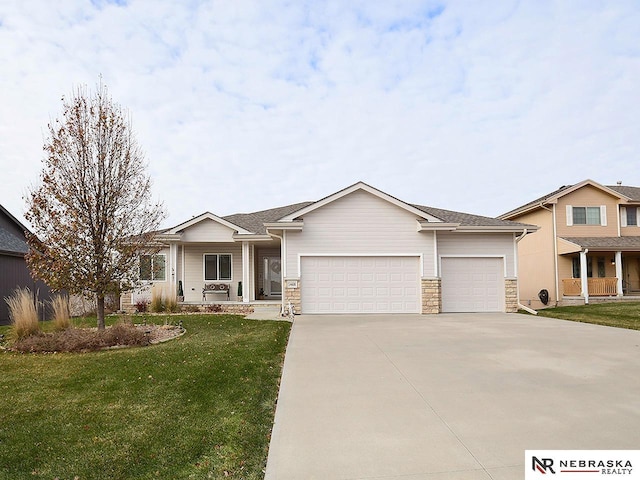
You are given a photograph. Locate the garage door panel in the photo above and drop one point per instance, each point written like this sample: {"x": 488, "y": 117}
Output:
{"x": 472, "y": 284}
{"x": 360, "y": 284}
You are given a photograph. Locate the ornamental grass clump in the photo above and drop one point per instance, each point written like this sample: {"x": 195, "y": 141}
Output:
{"x": 157, "y": 303}
{"x": 60, "y": 307}
{"x": 83, "y": 339}
{"x": 171, "y": 305}
{"x": 23, "y": 313}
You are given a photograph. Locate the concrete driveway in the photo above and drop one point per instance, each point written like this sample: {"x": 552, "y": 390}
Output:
{"x": 449, "y": 396}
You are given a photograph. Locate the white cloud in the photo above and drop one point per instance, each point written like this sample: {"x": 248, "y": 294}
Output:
{"x": 248, "y": 105}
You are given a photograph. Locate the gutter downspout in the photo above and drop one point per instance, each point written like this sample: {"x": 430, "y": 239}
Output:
{"x": 523, "y": 307}
{"x": 283, "y": 270}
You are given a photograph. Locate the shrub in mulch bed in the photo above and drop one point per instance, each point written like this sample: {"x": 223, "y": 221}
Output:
{"x": 82, "y": 340}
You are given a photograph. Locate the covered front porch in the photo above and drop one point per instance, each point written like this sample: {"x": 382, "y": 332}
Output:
{"x": 599, "y": 268}
{"x": 209, "y": 263}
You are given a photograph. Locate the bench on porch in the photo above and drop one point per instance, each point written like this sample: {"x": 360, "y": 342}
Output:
{"x": 215, "y": 288}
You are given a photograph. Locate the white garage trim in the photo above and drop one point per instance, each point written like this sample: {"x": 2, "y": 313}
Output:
{"x": 347, "y": 283}
{"x": 418, "y": 255}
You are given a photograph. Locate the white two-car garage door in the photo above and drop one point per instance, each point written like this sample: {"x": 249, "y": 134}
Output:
{"x": 472, "y": 284}
{"x": 360, "y": 284}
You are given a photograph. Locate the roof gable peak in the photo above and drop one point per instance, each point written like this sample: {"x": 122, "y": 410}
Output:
{"x": 359, "y": 186}
{"x": 206, "y": 216}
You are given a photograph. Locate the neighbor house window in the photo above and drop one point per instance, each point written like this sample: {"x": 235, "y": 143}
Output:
{"x": 586, "y": 216}
{"x": 632, "y": 216}
{"x": 153, "y": 267}
{"x": 217, "y": 266}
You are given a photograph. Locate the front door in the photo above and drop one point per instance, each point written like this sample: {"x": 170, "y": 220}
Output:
{"x": 272, "y": 277}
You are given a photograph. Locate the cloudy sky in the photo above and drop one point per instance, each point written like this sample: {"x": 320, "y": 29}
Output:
{"x": 246, "y": 105}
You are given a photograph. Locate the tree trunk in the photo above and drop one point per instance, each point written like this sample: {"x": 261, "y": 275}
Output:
{"x": 100, "y": 303}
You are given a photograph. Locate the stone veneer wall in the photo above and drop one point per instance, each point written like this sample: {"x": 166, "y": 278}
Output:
{"x": 126, "y": 304}
{"x": 292, "y": 294}
{"x": 431, "y": 295}
{"x": 511, "y": 295}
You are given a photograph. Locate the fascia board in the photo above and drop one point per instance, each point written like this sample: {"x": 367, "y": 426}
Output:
{"x": 282, "y": 225}
{"x": 251, "y": 237}
{"x": 168, "y": 237}
{"x": 498, "y": 229}
{"x": 436, "y": 226}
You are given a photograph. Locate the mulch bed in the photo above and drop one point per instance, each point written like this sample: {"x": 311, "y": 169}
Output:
{"x": 90, "y": 339}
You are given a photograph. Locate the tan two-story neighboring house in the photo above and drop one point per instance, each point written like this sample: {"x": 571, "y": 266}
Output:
{"x": 588, "y": 244}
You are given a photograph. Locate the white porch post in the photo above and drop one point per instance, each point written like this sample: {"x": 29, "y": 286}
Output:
{"x": 619, "y": 273}
{"x": 583, "y": 276}
{"x": 245, "y": 272}
{"x": 173, "y": 270}
{"x": 252, "y": 274}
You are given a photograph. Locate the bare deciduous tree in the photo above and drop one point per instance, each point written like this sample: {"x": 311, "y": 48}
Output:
{"x": 92, "y": 212}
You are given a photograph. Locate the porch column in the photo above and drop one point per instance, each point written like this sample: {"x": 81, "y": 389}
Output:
{"x": 173, "y": 270}
{"x": 619, "y": 273}
{"x": 583, "y": 276}
{"x": 245, "y": 272}
{"x": 252, "y": 274}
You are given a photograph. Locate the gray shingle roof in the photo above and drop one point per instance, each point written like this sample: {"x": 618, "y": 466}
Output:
{"x": 600, "y": 243}
{"x": 536, "y": 201}
{"x": 467, "y": 219}
{"x": 254, "y": 222}
{"x": 632, "y": 192}
{"x": 9, "y": 243}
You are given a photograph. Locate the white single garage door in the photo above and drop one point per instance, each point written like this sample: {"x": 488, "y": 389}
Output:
{"x": 472, "y": 284}
{"x": 360, "y": 284}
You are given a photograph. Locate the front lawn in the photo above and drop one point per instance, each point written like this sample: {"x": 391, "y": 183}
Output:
{"x": 618, "y": 314}
{"x": 200, "y": 406}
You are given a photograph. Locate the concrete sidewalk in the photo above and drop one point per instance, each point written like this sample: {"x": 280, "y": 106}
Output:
{"x": 450, "y": 396}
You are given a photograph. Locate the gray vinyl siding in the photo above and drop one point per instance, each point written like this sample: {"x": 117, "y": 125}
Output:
{"x": 479, "y": 244}
{"x": 194, "y": 269}
{"x": 359, "y": 224}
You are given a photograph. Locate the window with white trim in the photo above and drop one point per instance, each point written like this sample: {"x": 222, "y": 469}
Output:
{"x": 586, "y": 215}
{"x": 153, "y": 267}
{"x": 217, "y": 267}
{"x": 632, "y": 216}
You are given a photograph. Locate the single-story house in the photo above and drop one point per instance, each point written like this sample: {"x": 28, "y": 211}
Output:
{"x": 359, "y": 250}
{"x": 14, "y": 272}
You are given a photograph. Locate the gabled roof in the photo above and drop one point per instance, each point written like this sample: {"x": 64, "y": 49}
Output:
{"x": 550, "y": 198}
{"x": 254, "y": 222}
{"x": 206, "y": 216}
{"x": 353, "y": 188}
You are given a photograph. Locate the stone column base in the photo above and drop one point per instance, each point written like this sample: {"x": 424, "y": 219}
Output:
{"x": 511, "y": 295}
{"x": 292, "y": 293}
{"x": 431, "y": 295}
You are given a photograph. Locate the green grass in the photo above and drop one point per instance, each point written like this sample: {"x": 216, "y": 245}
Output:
{"x": 618, "y": 314}
{"x": 197, "y": 407}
